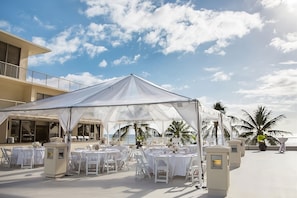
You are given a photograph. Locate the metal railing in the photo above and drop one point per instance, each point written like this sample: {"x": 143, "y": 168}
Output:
{"x": 35, "y": 77}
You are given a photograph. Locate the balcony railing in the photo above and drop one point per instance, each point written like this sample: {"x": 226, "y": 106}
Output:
{"x": 35, "y": 77}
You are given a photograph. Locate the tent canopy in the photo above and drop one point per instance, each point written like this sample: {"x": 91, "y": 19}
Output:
{"x": 128, "y": 98}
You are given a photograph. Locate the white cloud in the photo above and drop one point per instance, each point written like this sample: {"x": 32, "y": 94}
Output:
{"x": 221, "y": 76}
{"x": 211, "y": 69}
{"x": 46, "y": 26}
{"x": 126, "y": 60}
{"x": 169, "y": 27}
{"x": 271, "y": 3}
{"x": 218, "y": 75}
{"x": 8, "y": 27}
{"x": 5, "y": 25}
{"x": 174, "y": 27}
{"x": 287, "y": 44}
{"x": 217, "y": 48}
{"x": 103, "y": 63}
{"x": 289, "y": 62}
{"x": 93, "y": 50}
{"x": 280, "y": 85}
{"x": 85, "y": 78}
{"x": 168, "y": 87}
{"x": 111, "y": 33}
{"x": 291, "y": 5}
{"x": 145, "y": 74}
{"x": 66, "y": 45}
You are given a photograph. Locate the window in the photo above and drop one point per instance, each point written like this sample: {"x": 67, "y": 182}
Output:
{"x": 27, "y": 131}
{"x": 13, "y": 55}
{"x": 15, "y": 130}
{"x": 10, "y": 60}
{"x": 54, "y": 129}
{"x": 3, "y": 47}
{"x": 42, "y": 96}
{"x": 85, "y": 129}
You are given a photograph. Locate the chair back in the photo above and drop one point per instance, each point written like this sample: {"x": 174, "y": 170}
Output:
{"x": 92, "y": 163}
{"x": 110, "y": 162}
{"x": 193, "y": 170}
{"x": 27, "y": 158}
{"x": 92, "y": 158}
{"x": 75, "y": 162}
{"x": 6, "y": 156}
{"x": 161, "y": 169}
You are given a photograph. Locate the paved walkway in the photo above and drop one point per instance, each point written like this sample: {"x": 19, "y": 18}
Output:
{"x": 261, "y": 175}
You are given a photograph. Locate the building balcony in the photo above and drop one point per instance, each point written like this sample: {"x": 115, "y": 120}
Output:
{"x": 34, "y": 77}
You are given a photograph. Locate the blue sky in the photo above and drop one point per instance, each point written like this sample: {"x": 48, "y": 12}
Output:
{"x": 241, "y": 53}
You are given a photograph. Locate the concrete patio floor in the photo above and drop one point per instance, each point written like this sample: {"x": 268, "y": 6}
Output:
{"x": 261, "y": 175}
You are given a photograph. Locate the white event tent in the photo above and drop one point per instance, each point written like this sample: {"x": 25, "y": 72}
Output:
{"x": 128, "y": 98}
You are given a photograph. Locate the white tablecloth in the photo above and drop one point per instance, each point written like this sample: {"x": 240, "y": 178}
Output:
{"x": 17, "y": 157}
{"x": 178, "y": 163}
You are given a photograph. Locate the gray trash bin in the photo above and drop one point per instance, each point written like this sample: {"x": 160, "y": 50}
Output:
{"x": 217, "y": 170}
{"x": 55, "y": 159}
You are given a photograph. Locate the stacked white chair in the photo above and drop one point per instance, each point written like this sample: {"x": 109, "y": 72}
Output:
{"x": 161, "y": 169}
{"x": 6, "y": 157}
{"x": 27, "y": 158}
{"x": 142, "y": 167}
{"x": 75, "y": 162}
{"x": 92, "y": 163}
{"x": 193, "y": 170}
{"x": 123, "y": 161}
{"x": 110, "y": 163}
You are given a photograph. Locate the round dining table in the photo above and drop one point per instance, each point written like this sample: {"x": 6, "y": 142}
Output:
{"x": 178, "y": 162}
{"x": 17, "y": 156}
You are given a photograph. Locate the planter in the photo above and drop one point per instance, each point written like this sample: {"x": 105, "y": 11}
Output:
{"x": 262, "y": 146}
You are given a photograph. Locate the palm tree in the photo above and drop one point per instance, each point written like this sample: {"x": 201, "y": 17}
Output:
{"x": 142, "y": 132}
{"x": 234, "y": 120}
{"x": 180, "y": 129}
{"x": 260, "y": 123}
{"x": 218, "y": 106}
{"x": 211, "y": 128}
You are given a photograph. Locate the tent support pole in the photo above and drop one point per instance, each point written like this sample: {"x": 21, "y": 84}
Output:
{"x": 199, "y": 144}
{"x": 68, "y": 142}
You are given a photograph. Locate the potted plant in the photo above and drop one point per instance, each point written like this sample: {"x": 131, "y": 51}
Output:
{"x": 261, "y": 141}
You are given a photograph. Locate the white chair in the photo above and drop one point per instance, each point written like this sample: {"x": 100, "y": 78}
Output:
{"x": 92, "y": 163}
{"x": 110, "y": 163}
{"x": 80, "y": 138}
{"x": 143, "y": 154}
{"x": 75, "y": 162}
{"x": 39, "y": 156}
{"x": 161, "y": 169}
{"x": 27, "y": 158}
{"x": 6, "y": 157}
{"x": 193, "y": 170}
{"x": 86, "y": 138}
{"x": 123, "y": 161}
{"x": 142, "y": 167}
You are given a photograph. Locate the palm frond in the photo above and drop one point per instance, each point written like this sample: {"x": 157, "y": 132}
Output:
{"x": 272, "y": 122}
{"x": 251, "y": 121}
